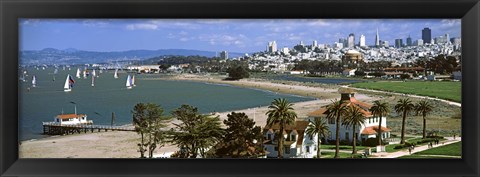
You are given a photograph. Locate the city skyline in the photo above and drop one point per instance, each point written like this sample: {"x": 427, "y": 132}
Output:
{"x": 232, "y": 35}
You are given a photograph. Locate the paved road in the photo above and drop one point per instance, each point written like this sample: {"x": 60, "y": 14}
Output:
{"x": 397, "y": 154}
{"x": 409, "y": 95}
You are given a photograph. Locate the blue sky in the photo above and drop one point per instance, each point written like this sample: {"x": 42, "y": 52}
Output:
{"x": 234, "y": 35}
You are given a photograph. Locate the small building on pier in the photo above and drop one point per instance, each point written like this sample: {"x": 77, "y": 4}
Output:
{"x": 72, "y": 119}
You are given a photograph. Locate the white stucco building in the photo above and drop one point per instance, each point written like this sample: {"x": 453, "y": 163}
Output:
{"x": 72, "y": 119}
{"x": 296, "y": 142}
{"x": 368, "y": 130}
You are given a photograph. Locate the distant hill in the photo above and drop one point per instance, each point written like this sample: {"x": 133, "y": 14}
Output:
{"x": 74, "y": 56}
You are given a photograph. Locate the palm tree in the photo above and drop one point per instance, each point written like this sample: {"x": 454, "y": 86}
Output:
{"x": 379, "y": 109}
{"x": 423, "y": 107}
{"x": 334, "y": 111}
{"x": 281, "y": 112}
{"x": 354, "y": 118}
{"x": 320, "y": 128}
{"x": 404, "y": 106}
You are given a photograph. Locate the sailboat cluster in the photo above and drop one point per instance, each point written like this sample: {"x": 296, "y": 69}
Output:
{"x": 69, "y": 81}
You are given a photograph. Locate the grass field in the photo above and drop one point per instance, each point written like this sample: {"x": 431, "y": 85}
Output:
{"x": 448, "y": 151}
{"x": 454, "y": 149}
{"x": 445, "y": 90}
{"x": 342, "y": 147}
{"x": 342, "y": 155}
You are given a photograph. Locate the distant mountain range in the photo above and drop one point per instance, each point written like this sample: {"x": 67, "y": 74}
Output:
{"x": 74, "y": 56}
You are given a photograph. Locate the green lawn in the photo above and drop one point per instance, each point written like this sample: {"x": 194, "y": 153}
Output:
{"x": 327, "y": 146}
{"x": 413, "y": 156}
{"x": 445, "y": 90}
{"x": 454, "y": 149}
{"x": 343, "y": 155}
{"x": 390, "y": 148}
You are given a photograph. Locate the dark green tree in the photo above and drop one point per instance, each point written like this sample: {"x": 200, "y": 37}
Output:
{"x": 237, "y": 72}
{"x": 334, "y": 112}
{"x": 150, "y": 123}
{"x": 195, "y": 132}
{"x": 241, "y": 138}
{"x": 423, "y": 108}
{"x": 405, "y": 107}
{"x": 320, "y": 128}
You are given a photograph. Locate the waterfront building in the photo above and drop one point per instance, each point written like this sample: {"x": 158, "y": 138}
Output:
{"x": 296, "y": 142}
{"x": 364, "y": 132}
{"x": 427, "y": 35}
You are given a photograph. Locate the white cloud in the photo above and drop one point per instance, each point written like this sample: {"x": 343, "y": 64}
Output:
{"x": 142, "y": 26}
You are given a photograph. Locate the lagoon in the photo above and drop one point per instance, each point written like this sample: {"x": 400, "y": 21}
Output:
{"x": 109, "y": 95}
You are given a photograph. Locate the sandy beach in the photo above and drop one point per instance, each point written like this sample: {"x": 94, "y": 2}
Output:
{"x": 118, "y": 144}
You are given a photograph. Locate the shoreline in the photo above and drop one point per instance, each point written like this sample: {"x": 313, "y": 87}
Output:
{"x": 119, "y": 144}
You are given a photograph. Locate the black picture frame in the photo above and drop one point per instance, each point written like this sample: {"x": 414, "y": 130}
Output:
{"x": 12, "y": 10}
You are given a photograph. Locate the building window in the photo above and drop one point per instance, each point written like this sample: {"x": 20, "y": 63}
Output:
{"x": 307, "y": 148}
{"x": 58, "y": 120}
{"x": 347, "y": 136}
{"x": 276, "y": 148}
{"x": 269, "y": 136}
{"x": 293, "y": 138}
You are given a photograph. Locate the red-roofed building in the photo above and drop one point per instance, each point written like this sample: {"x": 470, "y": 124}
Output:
{"x": 296, "y": 142}
{"x": 72, "y": 119}
{"x": 368, "y": 130}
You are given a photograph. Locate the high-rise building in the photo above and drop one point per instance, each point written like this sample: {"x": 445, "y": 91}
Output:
{"x": 351, "y": 40}
{"x": 314, "y": 44}
{"x": 447, "y": 37}
{"x": 427, "y": 35}
{"x": 362, "y": 41}
{"x": 398, "y": 43}
{"x": 418, "y": 42}
{"x": 409, "y": 41}
{"x": 272, "y": 47}
{"x": 385, "y": 43}
{"x": 223, "y": 55}
{"x": 456, "y": 41}
{"x": 343, "y": 41}
{"x": 301, "y": 43}
{"x": 377, "y": 39}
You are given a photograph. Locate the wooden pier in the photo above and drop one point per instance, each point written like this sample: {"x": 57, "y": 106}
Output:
{"x": 53, "y": 128}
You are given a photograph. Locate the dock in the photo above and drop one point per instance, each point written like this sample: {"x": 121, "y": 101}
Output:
{"x": 54, "y": 128}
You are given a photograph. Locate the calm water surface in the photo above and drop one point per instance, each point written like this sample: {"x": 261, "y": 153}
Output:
{"x": 43, "y": 103}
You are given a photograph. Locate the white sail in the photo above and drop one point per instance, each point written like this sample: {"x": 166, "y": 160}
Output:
{"x": 78, "y": 73}
{"x": 85, "y": 74}
{"x": 129, "y": 82}
{"x": 56, "y": 71}
{"x": 94, "y": 74}
{"x": 34, "y": 81}
{"x": 93, "y": 80}
{"x": 67, "y": 87}
{"x": 116, "y": 74}
{"x": 133, "y": 80}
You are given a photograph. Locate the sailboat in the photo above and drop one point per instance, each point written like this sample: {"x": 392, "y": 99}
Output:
{"x": 34, "y": 81}
{"x": 129, "y": 82}
{"x": 68, "y": 84}
{"x": 94, "y": 74}
{"x": 133, "y": 81}
{"x": 85, "y": 74}
{"x": 116, "y": 74}
{"x": 55, "y": 73}
{"x": 78, "y": 73}
{"x": 93, "y": 80}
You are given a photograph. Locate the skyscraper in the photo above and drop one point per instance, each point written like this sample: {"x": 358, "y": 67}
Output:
{"x": 224, "y": 55}
{"x": 351, "y": 40}
{"x": 409, "y": 41}
{"x": 427, "y": 35}
{"x": 398, "y": 43}
{"x": 272, "y": 47}
{"x": 343, "y": 41}
{"x": 377, "y": 39}
{"x": 362, "y": 41}
{"x": 314, "y": 44}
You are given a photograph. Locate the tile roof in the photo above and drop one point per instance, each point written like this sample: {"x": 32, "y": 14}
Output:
{"x": 70, "y": 116}
{"x": 373, "y": 130}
